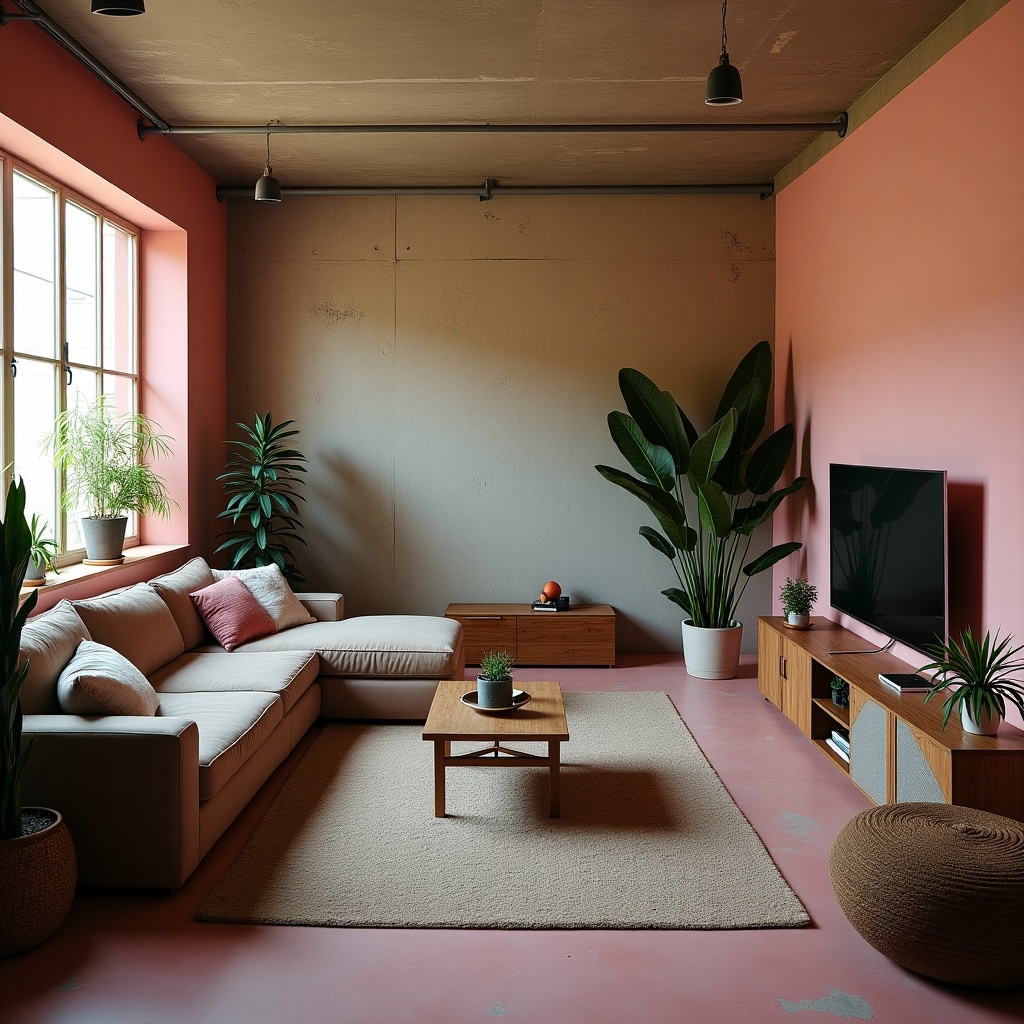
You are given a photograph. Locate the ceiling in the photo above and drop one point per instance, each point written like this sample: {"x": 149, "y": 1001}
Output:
{"x": 247, "y": 62}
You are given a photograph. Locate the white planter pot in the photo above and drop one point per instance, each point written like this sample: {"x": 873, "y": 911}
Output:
{"x": 988, "y": 726}
{"x": 798, "y": 618}
{"x": 712, "y": 653}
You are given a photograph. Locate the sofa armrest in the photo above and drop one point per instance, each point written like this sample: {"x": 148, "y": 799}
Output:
{"x": 129, "y": 790}
{"x": 324, "y": 607}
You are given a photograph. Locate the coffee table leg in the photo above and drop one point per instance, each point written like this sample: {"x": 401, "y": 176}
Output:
{"x": 441, "y": 747}
{"x": 554, "y": 755}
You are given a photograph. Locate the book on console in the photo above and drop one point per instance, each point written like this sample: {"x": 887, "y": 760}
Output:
{"x": 904, "y": 682}
{"x": 835, "y": 746}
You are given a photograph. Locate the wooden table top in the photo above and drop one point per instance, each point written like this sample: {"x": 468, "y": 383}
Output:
{"x": 542, "y": 719}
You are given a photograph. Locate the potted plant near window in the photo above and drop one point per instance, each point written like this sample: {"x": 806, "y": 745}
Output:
{"x": 980, "y": 671}
{"x": 37, "y": 857}
{"x": 42, "y": 552}
{"x": 709, "y": 492}
{"x": 104, "y": 455}
{"x": 494, "y": 682}
{"x": 798, "y": 597}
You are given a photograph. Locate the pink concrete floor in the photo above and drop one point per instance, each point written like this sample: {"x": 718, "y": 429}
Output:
{"x": 141, "y": 959}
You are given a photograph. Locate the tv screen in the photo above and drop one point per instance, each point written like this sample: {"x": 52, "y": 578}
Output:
{"x": 888, "y": 541}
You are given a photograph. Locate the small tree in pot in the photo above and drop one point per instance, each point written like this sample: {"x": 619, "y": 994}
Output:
{"x": 37, "y": 857}
{"x": 104, "y": 455}
{"x": 494, "y": 682}
{"x": 797, "y": 597}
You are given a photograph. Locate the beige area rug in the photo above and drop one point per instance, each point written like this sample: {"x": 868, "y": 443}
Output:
{"x": 648, "y": 838}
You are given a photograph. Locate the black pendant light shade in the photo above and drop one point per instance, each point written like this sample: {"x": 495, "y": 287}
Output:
{"x": 119, "y": 8}
{"x": 268, "y": 188}
{"x": 723, "y": 86}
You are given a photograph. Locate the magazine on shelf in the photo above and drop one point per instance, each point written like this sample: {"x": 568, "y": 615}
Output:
{"x": 839, "y": 750}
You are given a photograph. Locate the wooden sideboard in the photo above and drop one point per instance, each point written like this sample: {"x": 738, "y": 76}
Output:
{"x": 583, "y": 635}
{"x": 898, "y": 748}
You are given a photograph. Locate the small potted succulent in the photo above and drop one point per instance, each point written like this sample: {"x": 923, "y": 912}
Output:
{"x": 798, "y": 597}
{"x": 494, "y": 683}
{"x": 840, "y": 692}
{"x": 980, "y": 670}
{"x": 41, "y": 554}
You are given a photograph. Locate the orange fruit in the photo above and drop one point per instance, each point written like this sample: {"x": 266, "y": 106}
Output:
{"x": 552, "y": 591}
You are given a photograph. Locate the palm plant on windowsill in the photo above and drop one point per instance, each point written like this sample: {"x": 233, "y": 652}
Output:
{"x": 104, "y": 455}
{"x": 728, "y": 481}
{"x": 42, "y": 552}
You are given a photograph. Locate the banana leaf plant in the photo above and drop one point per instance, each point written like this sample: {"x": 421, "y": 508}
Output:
{"x": 709, "y": 492}
{"x": 15, "y": 544}
{"x": 261, "y": 483}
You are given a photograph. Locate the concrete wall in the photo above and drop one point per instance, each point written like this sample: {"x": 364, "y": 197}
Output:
{"x": 900, "y": 317}
{"x": 451, "y": 364}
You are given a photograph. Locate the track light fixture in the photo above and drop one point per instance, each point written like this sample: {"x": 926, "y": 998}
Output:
{"x": 268, "y": 188}
{"x": 724, "y": 86}
{"x": 119, "y": 8}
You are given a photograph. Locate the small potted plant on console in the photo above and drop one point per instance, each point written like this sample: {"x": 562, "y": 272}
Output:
{"x": 840, "y": 692}
{"x": 798, "y": 597}
{"x": 494, "y": 683}
{"x": 981, "y": 670}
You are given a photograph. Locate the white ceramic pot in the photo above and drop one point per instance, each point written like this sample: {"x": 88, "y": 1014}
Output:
{"x": 988, "y": 726}
{"x": 712, "y": 653}
{"x": 798, "y": 618}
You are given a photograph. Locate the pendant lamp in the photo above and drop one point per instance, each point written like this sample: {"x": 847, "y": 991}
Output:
{"x": 119, "y": 8}
{"x": 723, "y": 86}
{"x": 268, "y": 188}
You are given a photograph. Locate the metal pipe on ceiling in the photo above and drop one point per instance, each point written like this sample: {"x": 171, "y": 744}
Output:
{"x": 838, "y": 126}
{"x": 47, "y": 24}
{"x": 491, "y": 188}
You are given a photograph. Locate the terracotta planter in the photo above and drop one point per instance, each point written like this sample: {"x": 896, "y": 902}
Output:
{"x": 712, "y": 653}
{"x": 38, "y": 873}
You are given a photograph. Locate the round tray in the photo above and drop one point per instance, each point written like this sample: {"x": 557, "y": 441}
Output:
{"x": 519, "y": 698}
{"x": 791, "y": 625}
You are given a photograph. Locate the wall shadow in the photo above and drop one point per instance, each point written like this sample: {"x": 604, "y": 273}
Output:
{"x": 966, "y": 554}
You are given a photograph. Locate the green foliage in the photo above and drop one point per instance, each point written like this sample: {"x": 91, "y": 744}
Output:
{"x": 981, "y": 670}
{"x": 728, "y": 483}
{"x": 43, "y": 549}
{"x": 496, "y": 665}
{"x": 15, "y": 543}
{"x": 104, "y": 455}
{"x": 798, "y": 596}
{"x": 261, "y": 484}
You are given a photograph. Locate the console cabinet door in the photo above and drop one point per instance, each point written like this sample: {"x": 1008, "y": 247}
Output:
{"x": 769, "y": 663}
{"x": 796, "y": 686}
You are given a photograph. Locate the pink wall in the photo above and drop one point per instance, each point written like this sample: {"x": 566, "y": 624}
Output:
{"x": 59, "y": 117}
{"x": 900, "y": 316}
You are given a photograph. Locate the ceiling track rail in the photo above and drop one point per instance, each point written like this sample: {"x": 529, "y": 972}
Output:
{"x": 491, "y": 188}
{"x": 839, "y": 126}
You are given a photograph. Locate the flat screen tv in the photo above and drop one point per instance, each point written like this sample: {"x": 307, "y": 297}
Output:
{"x": 888, "y": 550}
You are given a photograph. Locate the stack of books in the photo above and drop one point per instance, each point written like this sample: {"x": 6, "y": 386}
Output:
{"x": 904, "y": 682}
{"x": 560, "y": 604}
{"x": 839, "y": 741}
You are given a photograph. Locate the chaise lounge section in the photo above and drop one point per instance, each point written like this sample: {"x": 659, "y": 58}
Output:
{"x": 146, "y": 795}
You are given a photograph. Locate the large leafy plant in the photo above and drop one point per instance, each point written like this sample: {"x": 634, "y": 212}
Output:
{"x": 261, "y": 484}
{"x": 709, "y": 492}
{"x": 981, "y": 671}
{"x": 104, "y": 455}
{"x": 15, "y": 544}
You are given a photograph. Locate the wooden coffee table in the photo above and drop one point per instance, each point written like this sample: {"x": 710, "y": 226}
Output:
{"x": 543, "y": 720}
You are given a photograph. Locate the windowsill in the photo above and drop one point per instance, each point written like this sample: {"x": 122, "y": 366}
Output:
{"x": 71, "y": 574}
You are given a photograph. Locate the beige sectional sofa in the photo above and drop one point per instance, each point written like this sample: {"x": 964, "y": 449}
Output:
{"x": 146, "y": 796}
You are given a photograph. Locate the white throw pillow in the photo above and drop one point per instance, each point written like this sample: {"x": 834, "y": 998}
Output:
{"x": 99, "y": 681}
{"x": 268, "y": 585}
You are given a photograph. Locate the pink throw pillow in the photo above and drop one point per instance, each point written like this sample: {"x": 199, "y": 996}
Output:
{"x": 231, "y": 613}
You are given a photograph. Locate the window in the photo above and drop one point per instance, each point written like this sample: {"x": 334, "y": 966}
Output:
{"x": 69, "y": 301}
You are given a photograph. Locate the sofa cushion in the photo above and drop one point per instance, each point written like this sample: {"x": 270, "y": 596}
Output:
{"x": 174, "y": 588}
{"x": 377, "y": 646}
{"x": 231, "y": 613}
{"x": 286, "y": 673}
{"x": 136, "y": 623}
{"x": 49, "y": 641}
{"x": 270, "y": 588}
{"x": 99, "y": 681}
{"x": 231, "y": 727}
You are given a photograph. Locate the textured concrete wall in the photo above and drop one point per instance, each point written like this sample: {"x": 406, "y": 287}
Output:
{"x": 451, "y": 364}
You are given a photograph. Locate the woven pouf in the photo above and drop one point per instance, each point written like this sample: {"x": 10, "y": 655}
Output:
{"x": 937, "y": 888}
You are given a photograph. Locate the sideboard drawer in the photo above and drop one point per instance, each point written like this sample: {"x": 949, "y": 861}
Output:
{"x": 483, "y": 633}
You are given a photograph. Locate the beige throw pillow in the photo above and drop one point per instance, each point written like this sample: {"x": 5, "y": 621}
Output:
{"x": 270, "y": 588}
{"x": 175, "y": 588}
{"x": 49, "y": 642}
{"x": 99, "y": 681}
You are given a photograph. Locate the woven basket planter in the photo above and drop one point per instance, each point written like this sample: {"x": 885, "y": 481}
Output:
{"x": 37, "y": 884}
{"x": 937, "y": 888}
